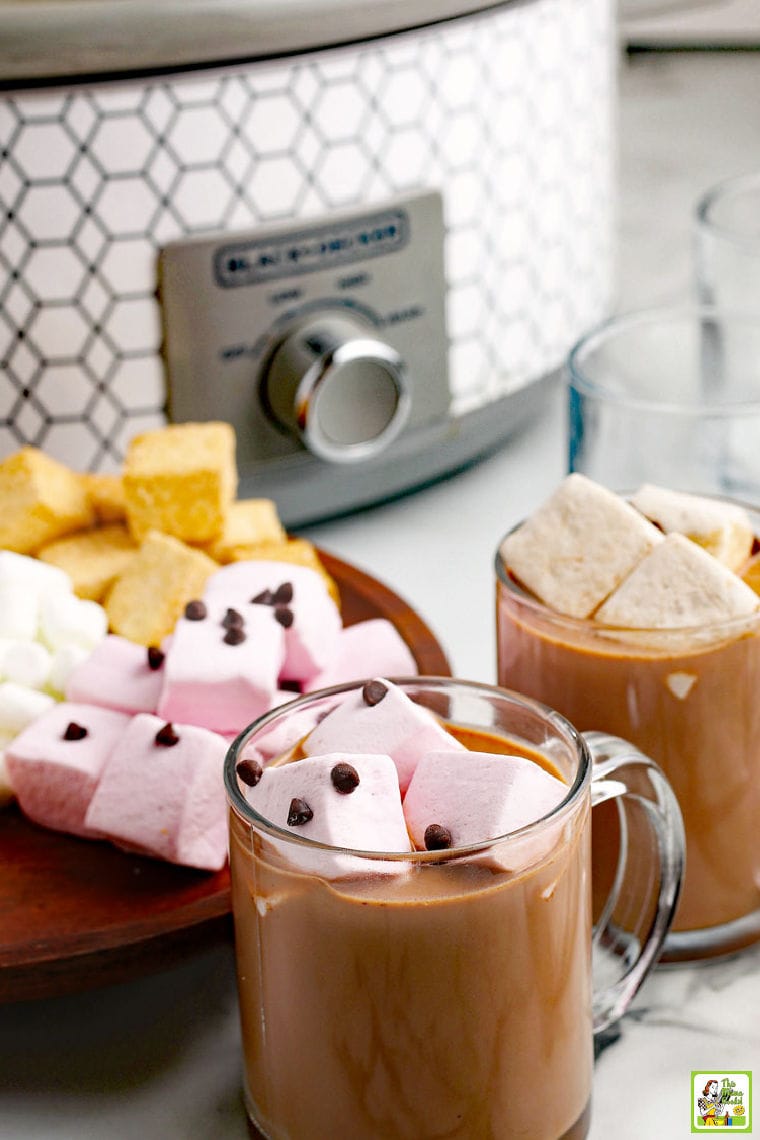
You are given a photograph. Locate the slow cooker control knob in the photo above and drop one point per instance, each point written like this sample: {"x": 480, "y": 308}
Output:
{"x": 341, "y": 390}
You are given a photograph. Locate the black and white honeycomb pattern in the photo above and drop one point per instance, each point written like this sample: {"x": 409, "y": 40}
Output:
{"x": 509, "y": 113}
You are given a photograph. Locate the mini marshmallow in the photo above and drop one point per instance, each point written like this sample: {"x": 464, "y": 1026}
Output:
{"x": 65, "y": 618}
{"x": 576, "y": 548}
{"x": 678, "y": 585}
{"x": 20, "y": 706}
{"x": 391, "y": 723}
{"x": 365, "y": 816}
{"x": 723, "y": 529}
{"x": 369, "y": 646}
{"x": 27, "y": 663}
{"x": 162, "y": 793}
{"x": 65, "y": 660}
{"x": 7, "y": 794}
{"x": 217, "y": 678}
{"x": 298, "y": 596}
{"x": 19, "y": 611}
{"x": 56, "y": 762}
{"x": 477, "y": 796}
{"x": 33, "y": 574}
{"x": 117, "y": 674}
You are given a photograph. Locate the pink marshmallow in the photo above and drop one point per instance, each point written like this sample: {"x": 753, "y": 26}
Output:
{"x": 165, "y": 799}
{"x": 55, "y": 778}
{"x": 117, "y": 675}
{"x": 368, "y": 818}
{"x": 311, "y": 618}
{"x": 216, "y": 678}
{"x": 478, "y": 796}
{"x": 284, "y": 735}
{"x": 394, "y": 725}
{"x": 372, "y": 647}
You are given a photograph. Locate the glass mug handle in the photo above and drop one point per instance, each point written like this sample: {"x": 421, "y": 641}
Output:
{"x": 632, "y": 931}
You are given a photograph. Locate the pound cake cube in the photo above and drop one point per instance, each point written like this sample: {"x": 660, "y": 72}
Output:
{"x": 299, "y": 600}
{"x": 578, "y": 546}
{"x": 55, "y": 763}
{"x": 723, "y": 529}
{"x": 340, "y": 799}
{"x": 105, "y": 493}
{"x": 93, "y": 559}
{"x": 249, "y": 523}
{"x": 222, "y": 665}
{"x": 380, "y": 717}
{"x": 162, "y": 793}
{"x": 146, "y": 601}
{"x": 42, "y": 500}
{"x": 181, "y": 480}
{"x": 118, "y": 674}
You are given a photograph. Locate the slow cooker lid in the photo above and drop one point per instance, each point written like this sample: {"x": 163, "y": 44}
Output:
{"x": 49, "y": 40}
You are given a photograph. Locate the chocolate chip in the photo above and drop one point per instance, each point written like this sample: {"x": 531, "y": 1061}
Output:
{"x": 373, "y": 692}
{"x": 299, "y": 813}
{"x": 437, "y": 837}
{"x": 155, "y": 657}
{"x": 345, "y": 778}
{"x": 249, "y": 771}
{"x": 290, "y": 686}
{"x": 74, "y": 731}
{"x": 262, "y": 599}
{"x": 233, "y": 618}
{"x": 167, "y": 736}
{"x": 284, "y": 616}
{"x": 195, "y": 610}
{"x": 283, "y": 594}
{"x": 234, "y": 635}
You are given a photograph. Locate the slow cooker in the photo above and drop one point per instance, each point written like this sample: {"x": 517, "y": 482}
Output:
{"x": 365, "y": 233}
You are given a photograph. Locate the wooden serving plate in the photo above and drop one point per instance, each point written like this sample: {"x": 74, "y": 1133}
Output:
{"x": 76, "y": 913}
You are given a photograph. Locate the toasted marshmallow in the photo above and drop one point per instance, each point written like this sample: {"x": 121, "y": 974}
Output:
{"x": 678, "y": 585}
{"x": 723, "y": 529}
{"x": 578, "y": 546}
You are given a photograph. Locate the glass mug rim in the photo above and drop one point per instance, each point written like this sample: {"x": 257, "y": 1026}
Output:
{"x": 722, "y": 630}
{"x": 635, "y": 318}
{"x": 573, "y": 738}
{"x": 727, "y": 188}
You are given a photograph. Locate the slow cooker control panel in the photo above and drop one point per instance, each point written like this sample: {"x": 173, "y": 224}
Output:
{"x": 323, "y": 341}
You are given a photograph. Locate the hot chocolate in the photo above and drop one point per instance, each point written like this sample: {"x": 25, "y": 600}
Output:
{"x": 449, "y": 1000}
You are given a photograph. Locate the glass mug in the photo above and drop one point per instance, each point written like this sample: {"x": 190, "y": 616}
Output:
{"x": 689, "y": 699}
{"x": 421, "y": 1004}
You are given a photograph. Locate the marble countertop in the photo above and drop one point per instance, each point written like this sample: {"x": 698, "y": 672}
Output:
{"x": 160, "y": 1057}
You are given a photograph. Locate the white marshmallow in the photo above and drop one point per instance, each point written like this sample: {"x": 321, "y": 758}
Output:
{"x": 7, "y": 793}
{"x": 723, "y": 529}
{"x": 479, "y": 796}
{"x": 394, "y": 725}
{"x": 66, "y": 619}
{"x": 65, "y": 660}
{"x": 20, "y": 705}
{"x": 19, "y": 611}
{"x": 578, "y": 546}
{"x": 27, "y": 663}
{"x": 39, "y": 577}
{"x": 679, "y": 585}
{"x": 369, "y": 818}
